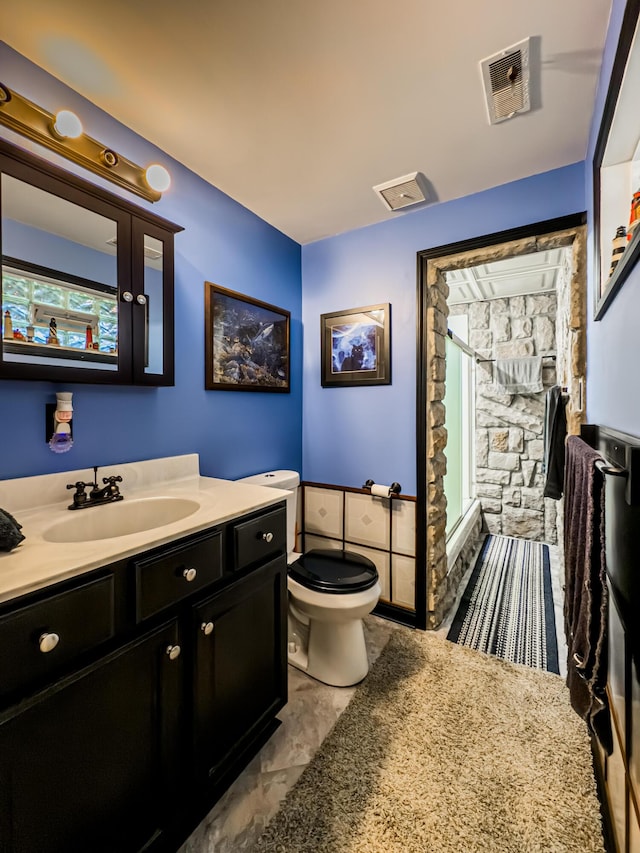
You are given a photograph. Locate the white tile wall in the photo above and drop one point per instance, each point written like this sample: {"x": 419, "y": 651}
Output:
{"x": 323, "y": 511}
{"x": 372, "y": 527}
{"x": 403, "y": 527}
{"x": 311, "y": 541}
{"x": 404, "y": 580}
{"x": 367, "y": 520}
{"x": 381, "y": 560}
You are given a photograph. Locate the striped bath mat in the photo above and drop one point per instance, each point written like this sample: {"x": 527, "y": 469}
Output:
{"x": 507, "y": 608}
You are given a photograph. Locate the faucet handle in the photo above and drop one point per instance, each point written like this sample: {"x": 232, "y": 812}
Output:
{"x": 80, "y": 497}
{"x": 112, "y": 480}
{"x": 80, "y": 486}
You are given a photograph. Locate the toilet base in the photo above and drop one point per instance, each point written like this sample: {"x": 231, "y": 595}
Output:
{"x": 332, "y": 652}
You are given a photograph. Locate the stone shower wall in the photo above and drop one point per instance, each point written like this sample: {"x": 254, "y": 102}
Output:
{"x": 510, "y": 427}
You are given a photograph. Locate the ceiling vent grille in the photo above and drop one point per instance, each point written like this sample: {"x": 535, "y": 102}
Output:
{"x": 404, "y": 191}
{"x": 506, "y": 82}
{"x": 152, "y": 254}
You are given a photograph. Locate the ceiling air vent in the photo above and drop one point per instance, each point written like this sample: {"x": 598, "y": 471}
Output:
{"x": 152, "y": 254}
{"x": 402, "y": 192}
{"x": 506, "y": 82}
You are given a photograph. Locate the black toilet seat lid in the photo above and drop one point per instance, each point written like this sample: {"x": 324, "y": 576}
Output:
{"x": 329, "y": 570}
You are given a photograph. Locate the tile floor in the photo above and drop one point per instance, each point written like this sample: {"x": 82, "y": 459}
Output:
{"x": 237, "y": 819}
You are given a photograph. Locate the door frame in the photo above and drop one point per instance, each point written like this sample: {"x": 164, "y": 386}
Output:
{"x": 432, "y": 314}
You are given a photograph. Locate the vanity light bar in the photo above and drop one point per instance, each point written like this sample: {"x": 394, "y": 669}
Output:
{"x": 27, "y": 118}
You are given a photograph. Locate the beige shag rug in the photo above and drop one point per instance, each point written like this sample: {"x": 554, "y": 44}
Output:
{"x": 446, "y": 750}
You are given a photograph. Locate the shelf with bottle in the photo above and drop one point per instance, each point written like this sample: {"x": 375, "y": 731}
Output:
{"x": 41, "y": 341}
{"x": 616, "y": 169}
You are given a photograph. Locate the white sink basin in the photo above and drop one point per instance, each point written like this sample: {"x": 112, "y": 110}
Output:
{"x": 120, "y": 519}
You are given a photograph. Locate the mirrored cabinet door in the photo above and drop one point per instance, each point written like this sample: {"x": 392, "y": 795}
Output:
{"x": 87, "y": 280}
{"x": 153, "y": 303}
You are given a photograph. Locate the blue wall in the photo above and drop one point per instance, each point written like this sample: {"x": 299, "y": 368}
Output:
{"x": 351, "y": 434}
{"x": 235, "y": 433}
{"x": 613, "y": 390}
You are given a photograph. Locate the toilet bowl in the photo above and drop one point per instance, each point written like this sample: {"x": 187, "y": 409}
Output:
{"x": 330, "y": 592}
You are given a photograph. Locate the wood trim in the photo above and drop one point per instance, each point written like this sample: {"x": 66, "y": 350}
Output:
{"x": 353, "y": 490}
{"x": 535, "y": 229}
{"x": 396, "y": 613}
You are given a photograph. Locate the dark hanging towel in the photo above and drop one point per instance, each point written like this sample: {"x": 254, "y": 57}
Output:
{"x": 555, "y": 433}
{"x": 586, "y": 598}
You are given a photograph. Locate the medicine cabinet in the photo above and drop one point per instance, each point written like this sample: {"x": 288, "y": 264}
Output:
{"x": 87, "y": 280}
{"x": 616, "y": 169}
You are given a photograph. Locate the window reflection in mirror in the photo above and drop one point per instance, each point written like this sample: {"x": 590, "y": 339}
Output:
{"x": 153, "y": 284}
{"x": 59, "y": 281}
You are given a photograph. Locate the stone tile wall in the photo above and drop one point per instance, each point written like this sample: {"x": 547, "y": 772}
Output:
{"x": 510, "y": 427}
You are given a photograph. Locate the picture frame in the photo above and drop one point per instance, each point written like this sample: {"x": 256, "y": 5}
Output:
{"x": 356, "y": 347}
{"x": 616, "y": 170}
{"x": 247, "y": 343}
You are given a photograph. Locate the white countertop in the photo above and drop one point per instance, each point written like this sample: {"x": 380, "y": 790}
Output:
{"x": 36, "y": 563}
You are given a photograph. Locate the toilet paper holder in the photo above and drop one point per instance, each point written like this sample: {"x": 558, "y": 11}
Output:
{"x": 381, "y": 491}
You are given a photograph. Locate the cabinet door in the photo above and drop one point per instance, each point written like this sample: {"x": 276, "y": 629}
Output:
{"x": 62, "y": 280}
{"x": 87, "y": 280}
{"x": 240, "y": 679}
{"x": 88, "y": 764}
{"x": 153, "y": 327}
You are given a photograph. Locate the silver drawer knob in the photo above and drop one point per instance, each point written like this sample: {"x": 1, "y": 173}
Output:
{"x": 127, "y": 296}
{"x": 268, "y": 537}
{"x": 189, "y": 575}
{"x": 141, "y": 299}
{"x": 173, "y": 652}
{"x": 207, "y": 628}
{"x": 48, "y": 642}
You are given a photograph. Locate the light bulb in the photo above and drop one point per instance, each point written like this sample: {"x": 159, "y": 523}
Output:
{"x": 158, "y": 178}
{"x": 67, "y": 125}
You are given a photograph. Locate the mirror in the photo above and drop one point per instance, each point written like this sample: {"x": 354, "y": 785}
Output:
{"x": 153, "y": 286}
{"x": 59, "y": 280}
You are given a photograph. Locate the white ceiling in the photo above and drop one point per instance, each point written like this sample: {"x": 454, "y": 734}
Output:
{"x": 534, "y": 273}
{"x": 297, "y": 109}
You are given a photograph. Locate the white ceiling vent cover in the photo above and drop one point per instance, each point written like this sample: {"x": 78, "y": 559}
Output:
{"x": 152, "y": 254}
{"x": 506, "y": 82}
{"x": 403, "y": 192}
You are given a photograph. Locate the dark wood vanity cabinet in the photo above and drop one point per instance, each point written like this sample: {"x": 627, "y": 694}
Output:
{"x": 89, "y": 764}
{"x": 239, "y": 678}
{"x": 97, "y": 266}
{"x": 126, "y": 748}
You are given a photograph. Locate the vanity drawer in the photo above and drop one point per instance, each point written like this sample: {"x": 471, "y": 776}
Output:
{"x": 40, "y": 637}
{"x": 177, "y": 572}
{"x": 260, "y": 538}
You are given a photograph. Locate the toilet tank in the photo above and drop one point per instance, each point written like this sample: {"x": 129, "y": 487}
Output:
{"x": 289, "y": 480}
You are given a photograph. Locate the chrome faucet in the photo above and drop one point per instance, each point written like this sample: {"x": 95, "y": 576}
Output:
{"x": 108, "y": 494}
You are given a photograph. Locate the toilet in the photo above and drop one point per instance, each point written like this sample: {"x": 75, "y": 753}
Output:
{"x": 330, "y": 593}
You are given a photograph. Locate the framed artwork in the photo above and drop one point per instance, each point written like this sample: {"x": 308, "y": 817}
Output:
{"x": 356, "y": 346}
{"x": 616, "y": 169}
{"x": 246, "y": 343}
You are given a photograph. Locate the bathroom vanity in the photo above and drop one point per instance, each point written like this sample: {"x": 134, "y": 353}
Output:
{"x": 139, "y": 673}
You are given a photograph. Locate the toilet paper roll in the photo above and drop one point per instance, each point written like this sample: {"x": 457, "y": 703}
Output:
{"x": 381, "y": 491}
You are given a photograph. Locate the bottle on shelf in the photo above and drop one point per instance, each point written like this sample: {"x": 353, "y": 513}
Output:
{"x": 634, "y": 215}
{"x": 7, "y": 329}
{"x": 619, "y": 245}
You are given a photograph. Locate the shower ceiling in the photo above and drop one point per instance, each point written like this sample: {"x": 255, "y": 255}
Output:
{"x": 534, "y": 273}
